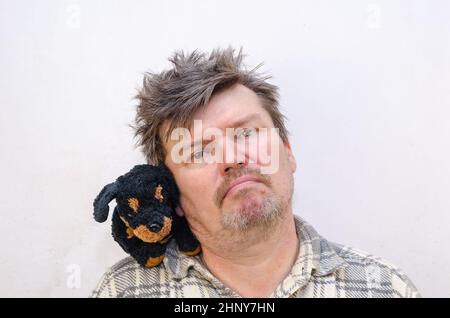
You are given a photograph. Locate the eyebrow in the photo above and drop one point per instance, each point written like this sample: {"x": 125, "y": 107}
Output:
{"x": 237, "y": 123}
{"x": 245, "y": 119}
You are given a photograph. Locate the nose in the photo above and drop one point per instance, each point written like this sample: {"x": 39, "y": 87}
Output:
{"x": 235, "y": 154}
{"x": 226, "y": 167}
{"x": 155, "y": 227}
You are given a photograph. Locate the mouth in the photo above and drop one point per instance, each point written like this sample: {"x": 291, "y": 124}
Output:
{"x": 240, "y": 183}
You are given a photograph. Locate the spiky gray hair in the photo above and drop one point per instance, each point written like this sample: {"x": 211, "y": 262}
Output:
{"x": 174, "y": 95}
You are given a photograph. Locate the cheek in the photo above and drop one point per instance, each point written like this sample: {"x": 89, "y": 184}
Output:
{"x": 282, "y": 176}
{"x": 259, "y": 148}
{"x": 196, "y": 192}
{"x": 270, "y": 153}
{"x": 282, "y": 184}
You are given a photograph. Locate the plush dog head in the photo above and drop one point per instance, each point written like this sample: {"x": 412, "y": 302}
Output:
{"x": 146, "y": 197}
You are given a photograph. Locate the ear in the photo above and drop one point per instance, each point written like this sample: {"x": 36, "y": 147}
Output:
{"x": 169, "y": 179}
{"x": 101, "y": 202}
{"x": 179, "y": 210}
{"x": 290, "y": 156}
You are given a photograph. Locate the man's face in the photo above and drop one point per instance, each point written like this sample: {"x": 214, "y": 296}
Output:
{"x": 213, "y": 206}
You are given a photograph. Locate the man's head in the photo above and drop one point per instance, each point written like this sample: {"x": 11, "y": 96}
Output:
{"x": 230, "y": 200}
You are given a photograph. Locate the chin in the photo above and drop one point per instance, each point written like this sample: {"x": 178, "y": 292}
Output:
{"x": 251, "y": 212}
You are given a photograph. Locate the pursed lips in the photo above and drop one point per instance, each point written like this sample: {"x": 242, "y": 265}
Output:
{"x": 240, "y": 180}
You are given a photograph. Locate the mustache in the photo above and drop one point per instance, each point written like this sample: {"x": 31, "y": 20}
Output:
{"x": 233, "y": 175}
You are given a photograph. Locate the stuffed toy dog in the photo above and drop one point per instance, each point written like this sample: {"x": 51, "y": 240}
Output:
{"x": 144, "y": 219}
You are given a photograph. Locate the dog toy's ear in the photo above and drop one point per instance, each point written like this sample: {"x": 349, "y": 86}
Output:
{"x": 169, "y": 179}
{"x": 101, "y": 202}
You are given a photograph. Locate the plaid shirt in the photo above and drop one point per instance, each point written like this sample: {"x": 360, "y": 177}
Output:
{"x": 322, "y": 269}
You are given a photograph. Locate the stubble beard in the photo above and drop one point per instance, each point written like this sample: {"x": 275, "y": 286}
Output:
{"x": 254, "y": 218}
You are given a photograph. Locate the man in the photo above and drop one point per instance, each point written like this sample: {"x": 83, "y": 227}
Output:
{"x": 238, "y": 205}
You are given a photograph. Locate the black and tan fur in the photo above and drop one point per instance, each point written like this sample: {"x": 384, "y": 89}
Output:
{"x": 144, "y": 219}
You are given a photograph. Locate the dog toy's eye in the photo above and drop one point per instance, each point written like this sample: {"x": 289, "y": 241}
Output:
{"x": 158, "y": 193}
{"x": 133, "y": 203}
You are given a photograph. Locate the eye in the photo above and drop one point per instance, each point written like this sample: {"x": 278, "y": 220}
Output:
{"x": 133, "y": 203}
{"x": 158, "y": 193}
{"x": 245, "y": 132}
{"x": 203, "y": 154}
{"x": 197, "y": 155}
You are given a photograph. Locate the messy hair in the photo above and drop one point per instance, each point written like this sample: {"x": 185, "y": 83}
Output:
{"x": 174, "y": 95}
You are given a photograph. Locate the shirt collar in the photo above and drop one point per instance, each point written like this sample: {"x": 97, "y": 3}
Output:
{"x": 316, "y": 257}
{"x": 316, "y": 250}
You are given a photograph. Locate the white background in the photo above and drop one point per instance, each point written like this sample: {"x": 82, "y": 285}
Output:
{"x": 365, "y": 85}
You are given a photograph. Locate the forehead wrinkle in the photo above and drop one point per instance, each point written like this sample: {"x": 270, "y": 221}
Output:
{"x": 236, "y": 123}
{"x": 230, "y": 124}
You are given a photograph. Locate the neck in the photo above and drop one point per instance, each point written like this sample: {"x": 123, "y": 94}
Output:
{"x": 256, "y": 270}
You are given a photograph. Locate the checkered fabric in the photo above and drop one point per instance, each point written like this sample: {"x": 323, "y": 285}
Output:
{"x": 322, "y": 269}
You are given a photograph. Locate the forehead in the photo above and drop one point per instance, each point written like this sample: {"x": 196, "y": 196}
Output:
{"x": 229, "y": 105}
{"x": 229, "y": 108}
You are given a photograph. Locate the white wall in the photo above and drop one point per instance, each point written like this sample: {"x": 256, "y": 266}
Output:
{"x": 365, "y": 85}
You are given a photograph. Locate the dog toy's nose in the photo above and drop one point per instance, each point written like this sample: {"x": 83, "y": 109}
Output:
{"x": 155, "y": 227}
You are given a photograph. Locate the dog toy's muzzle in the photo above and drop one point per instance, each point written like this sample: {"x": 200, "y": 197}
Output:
{"x": 151, "y": 233}
{"x": 154, "y": 232}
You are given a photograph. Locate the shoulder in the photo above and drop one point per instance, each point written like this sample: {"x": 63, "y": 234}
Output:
{"x": 127, "y": 278}
{"x": 366, "y": 274}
